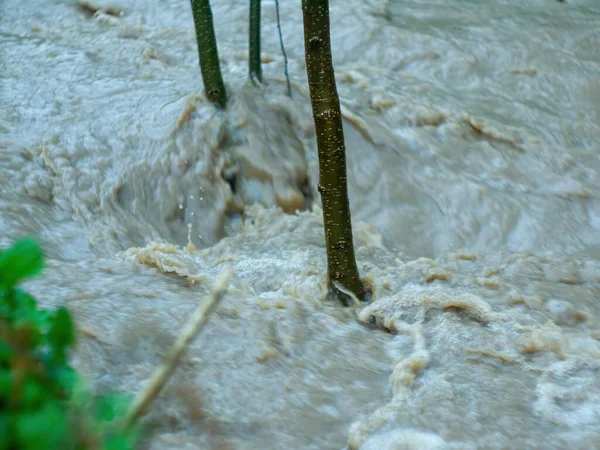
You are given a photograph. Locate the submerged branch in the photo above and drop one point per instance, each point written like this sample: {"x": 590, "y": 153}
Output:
{"x": 162, "y": 374}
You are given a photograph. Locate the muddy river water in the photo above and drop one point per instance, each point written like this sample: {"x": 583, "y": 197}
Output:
{"x": 473, "y": 140}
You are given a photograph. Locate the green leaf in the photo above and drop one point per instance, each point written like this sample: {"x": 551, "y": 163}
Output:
{"x": 25, "y": 301}
{"x": 23, "y": 260}
{"x": 6, "y": 382}
{"x": 80, "y": 395}
{"x": 17, "y": 304}
{"x": 120, "y": 442}
{"x": 65, "y": 377}
{"x": 111, "y": 407}
{"x": 5, "y": 438}
{"x": 41, "y": 430}
{"x": 33, "y": 393}
{"x": 6, "y": 352}
{"x": 62, "y": 332}
{"x": 61, "y": 335}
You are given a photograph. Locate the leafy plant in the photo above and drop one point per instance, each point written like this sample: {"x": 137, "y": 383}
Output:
{"x": 44, "y": 402}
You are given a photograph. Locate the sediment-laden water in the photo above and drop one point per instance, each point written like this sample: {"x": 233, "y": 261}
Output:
{"x": 473, "y": 140}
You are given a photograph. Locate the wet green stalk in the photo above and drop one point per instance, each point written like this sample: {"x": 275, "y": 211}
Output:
{"x": 285, "y": 60}
{"x": 208, "y": 53}
{"x": 254, "y": 39}
{"x": 332, "y": 152}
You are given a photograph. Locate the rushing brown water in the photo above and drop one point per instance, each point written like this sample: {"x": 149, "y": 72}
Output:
{"x": 473, "y": 139}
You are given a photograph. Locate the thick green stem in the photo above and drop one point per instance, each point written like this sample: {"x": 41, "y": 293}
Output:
{"x": 332, "y": 152}
{"x": 208, "y": 53}
{"x": 254, "y": 39}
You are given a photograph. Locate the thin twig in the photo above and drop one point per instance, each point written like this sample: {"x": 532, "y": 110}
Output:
{"x": 348, "y": 293}
{"x": 285, "y": 60}
{"x": 162, "y": 374}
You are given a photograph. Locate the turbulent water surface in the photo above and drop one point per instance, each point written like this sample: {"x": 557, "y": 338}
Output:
{"x": 473, "y": 141}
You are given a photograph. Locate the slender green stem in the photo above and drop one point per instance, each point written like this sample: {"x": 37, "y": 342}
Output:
{"x": 254, "y": 39}
{"x": 285, "y": 60}
{"x": 208, "y": 53}
{"x": 332, "y": 152}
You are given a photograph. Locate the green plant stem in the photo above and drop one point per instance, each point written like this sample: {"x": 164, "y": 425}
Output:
{"x": 332, "y": 152}
{"x": 208, "y": 53}
{"x": 285, "y": 60}
{"x": 254, "y": 39}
